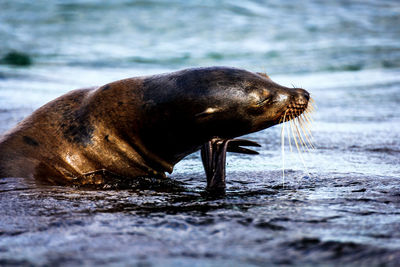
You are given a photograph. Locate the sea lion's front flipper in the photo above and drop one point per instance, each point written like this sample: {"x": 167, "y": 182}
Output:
{"x": 213, "y": 154}
{"x": 235, "y": 145}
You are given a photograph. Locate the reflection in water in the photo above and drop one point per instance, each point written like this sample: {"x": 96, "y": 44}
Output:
{"x": 345, "y": 212}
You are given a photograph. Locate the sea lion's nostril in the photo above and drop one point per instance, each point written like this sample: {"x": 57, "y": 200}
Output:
{"x": 307, "y": 95}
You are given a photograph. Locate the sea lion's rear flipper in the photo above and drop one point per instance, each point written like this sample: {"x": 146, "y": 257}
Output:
{"x": 213, "y": 155}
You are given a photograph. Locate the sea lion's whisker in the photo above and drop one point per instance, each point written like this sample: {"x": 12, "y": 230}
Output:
{"x": 302, "y": 142}
{"x": 304, "y": 128}
{"x": 306, "y": 131}
{"x": 303, "y": 137}
{"x": 299, "y": 119}
{"x": 288, "y": 134}
{"x": 310, "y": 143}
{"x": 305, "y": 114}
{"x": 308, "y": 118}
{"x": 307, "y": 121}
{"x": 295, "y": 114}
{"x": 310, "y": 107}
{"x": 291, "y": 128}
{"x": 294, "y": 136}
{"x": 283, "y": 149}
{"x": 312, "y": 103}
{"x": 299, "y": 152}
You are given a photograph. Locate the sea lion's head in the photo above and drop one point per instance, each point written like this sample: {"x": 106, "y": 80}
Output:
{"x": 239, "y": 102}
{"x": 192, "y": 106}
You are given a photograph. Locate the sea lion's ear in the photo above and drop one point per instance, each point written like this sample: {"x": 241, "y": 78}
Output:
{"x": 208, "y": 111}
{"x": 263, "y": 74}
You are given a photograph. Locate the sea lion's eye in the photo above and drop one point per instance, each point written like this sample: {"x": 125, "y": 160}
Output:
{"x": 260, "y": 98}
{"x": 263, "y": 101}
{"x": 263, "y": 98}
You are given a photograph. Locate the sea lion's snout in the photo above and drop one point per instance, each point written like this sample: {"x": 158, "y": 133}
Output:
{"x": 298, "y": 104}
{"x": 302, "y": 95}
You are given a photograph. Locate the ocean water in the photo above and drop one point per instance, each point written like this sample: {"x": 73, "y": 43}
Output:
{"x": 342, "y": 208}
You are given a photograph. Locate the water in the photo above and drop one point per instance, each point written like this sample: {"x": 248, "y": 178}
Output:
{"x": 346, "y": 53}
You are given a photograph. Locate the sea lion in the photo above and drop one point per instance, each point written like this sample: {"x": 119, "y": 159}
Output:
{"x": 143, "y": 126}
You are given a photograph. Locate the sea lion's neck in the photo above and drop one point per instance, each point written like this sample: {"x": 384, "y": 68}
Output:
{"x": 121, "y": 113}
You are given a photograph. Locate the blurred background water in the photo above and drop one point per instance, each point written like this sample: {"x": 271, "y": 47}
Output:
{"x": 346, "y": 53}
